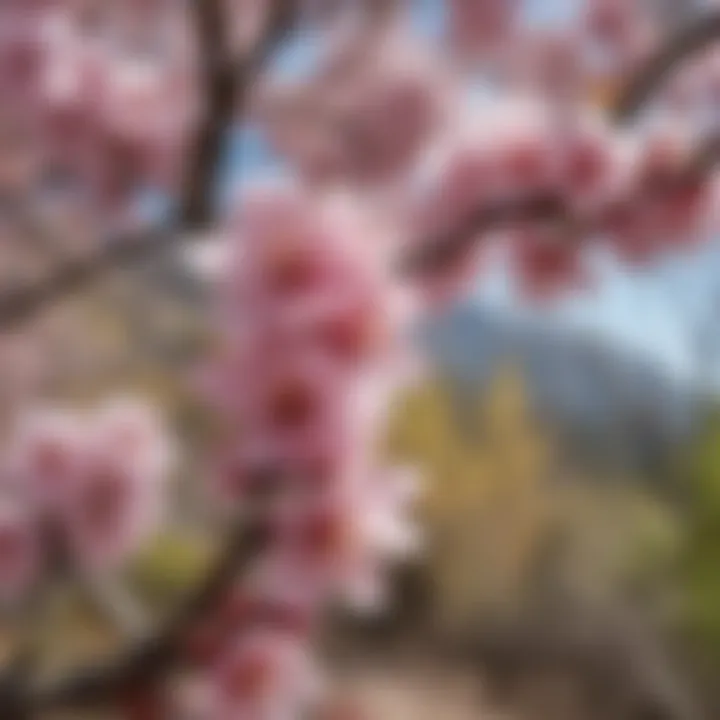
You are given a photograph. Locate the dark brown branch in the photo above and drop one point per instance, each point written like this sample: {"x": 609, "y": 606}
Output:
{"x": 151, "y": 659}
{"x": 226, "y": 88}
{"x": 217, "y": 77}
{"x": 435, "y": 253}
{"x": 20, "y": 303}
{"x": 689, "y": 41}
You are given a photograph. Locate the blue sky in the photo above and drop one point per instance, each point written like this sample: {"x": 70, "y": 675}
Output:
{"x": 656, "y": 311}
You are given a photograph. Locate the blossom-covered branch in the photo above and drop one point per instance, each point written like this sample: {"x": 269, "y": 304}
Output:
{"x": 311, "y": 315}
{"x": 434, "y": 254}
{"x": 20, "y": 302}
{"x": 226, "y": 85}
{"x": 152, "y": 658}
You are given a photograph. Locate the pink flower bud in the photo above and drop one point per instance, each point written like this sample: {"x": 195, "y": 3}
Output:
{"x": 264, "y": 676}
{"x": 19, "y": 550}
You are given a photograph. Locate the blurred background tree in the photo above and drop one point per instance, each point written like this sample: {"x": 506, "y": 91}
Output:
{"x": 698, "y": 578}
{"x": 512, "y": 526}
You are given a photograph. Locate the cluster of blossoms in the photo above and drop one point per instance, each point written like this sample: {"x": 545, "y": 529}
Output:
{"x": 80, "y": 490}
{"x": 359, "y": 121}
{"x": 101, "y": 94}
{"x": 631, "y": 191}
{"x": 310, "y": 319}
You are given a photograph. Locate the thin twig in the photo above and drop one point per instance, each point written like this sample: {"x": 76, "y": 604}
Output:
{"x": 687, "y": 42}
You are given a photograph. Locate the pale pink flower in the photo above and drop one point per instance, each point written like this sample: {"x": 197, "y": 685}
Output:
{"x": 19, "y": 549}
{"x": 135, "y": 432}
{"x": 393, "y": 116}
{"x": 475, "y": 26}
{"x": 664, "y": 213}
{"x": 613, "y": 22}
{"x": 21, "y": 56}
{"x": 593, "y": 165}
{"x": 112, "y": 511}
{"x": 71, "y": 87}
{"x": 341, "y": 547}
{"x": 554, "y": 65}
{"x": 546, "y": 263}
{"x": 362, "y": 122}
{"x": 315, "y": 271}
{"x": 46, "y": 455}
{"x": 265, "y": 676}
{"x": 526, "y": 155}
{"x": 243, "y": 473}
{"x": 295, "y": 409}
{"x": 97, "y": 478}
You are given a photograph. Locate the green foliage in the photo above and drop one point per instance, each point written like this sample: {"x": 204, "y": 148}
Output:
{"x": 507, "y": 521}
{"x": 699, "y": 567}
{"x": 169, "y": 566}
{"x": 484, "y": 510}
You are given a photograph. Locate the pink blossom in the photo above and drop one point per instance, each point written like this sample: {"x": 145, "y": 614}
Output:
{"x": 315, "y": 270}
{"x": 546, "y": 262}
{"x": 363, "y": 123}
{"x": 593, "y": 165}
{"x": 612, "y": 22}
{"x": 478, "y": 25}
{"x": 295, "y": 408}
{"x": 341, "y": 546}
{"x": 265, "y": 675}
{"x": 661, "y": 212}
{"x": 19, "y": 549}
{"x": 97, "y": 478}
{"x": 554, "y": 65}
{"x": 393, "y": 116}
{"x": 46, "y": 454}
{"x": 135, "y": 432}
{"x": 111, "y": 512}
{"x": 525, "y": 156}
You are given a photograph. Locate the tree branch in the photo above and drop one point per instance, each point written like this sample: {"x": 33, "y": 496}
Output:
{"x": 152, "y": 658}
{"x": 228, "y": 87}
{"x": 438, "y": 252}
{"x": 688, "y": 41}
